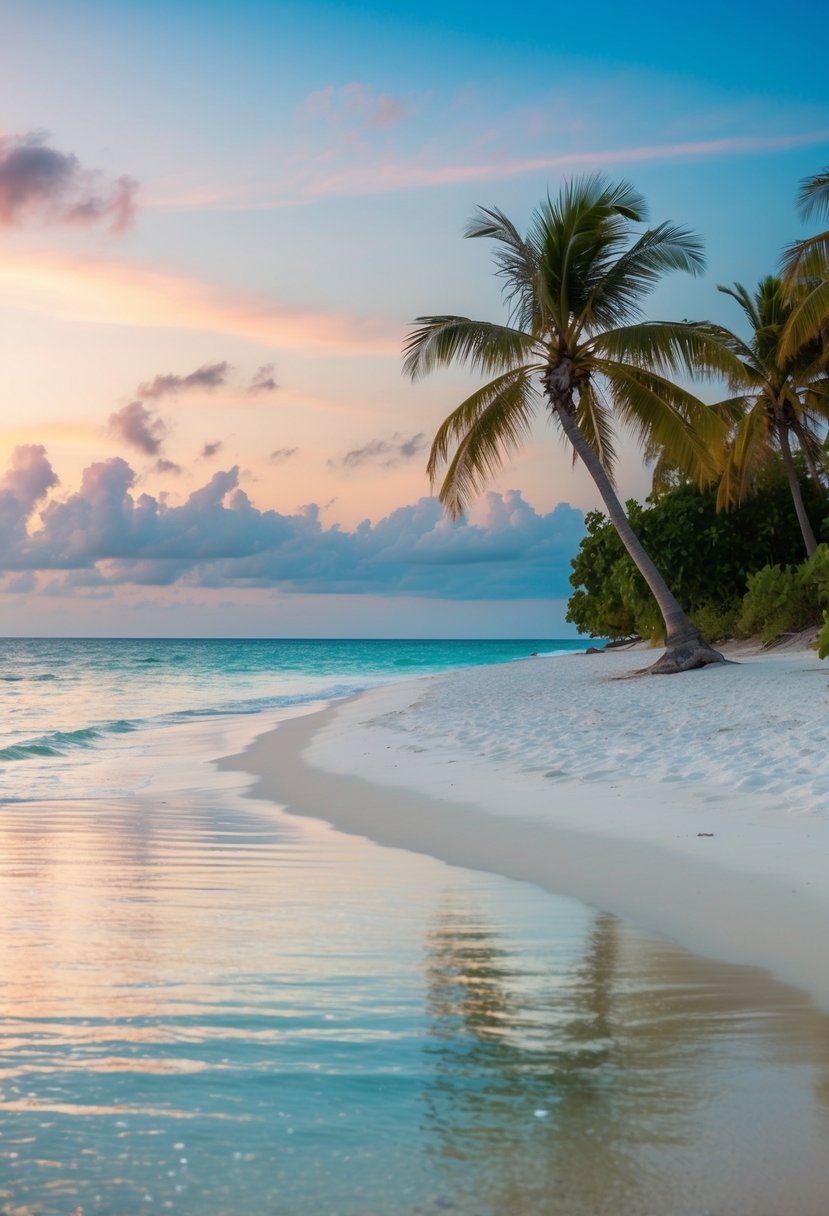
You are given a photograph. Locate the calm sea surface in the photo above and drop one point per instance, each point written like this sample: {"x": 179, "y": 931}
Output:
{"x": 212, "y": 1008}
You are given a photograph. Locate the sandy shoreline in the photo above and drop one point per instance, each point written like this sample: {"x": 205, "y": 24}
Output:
{"x": 695, "y": 806}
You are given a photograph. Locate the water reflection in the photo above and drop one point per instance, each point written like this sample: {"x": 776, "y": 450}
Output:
{"x": 634, "y": 1079}
{"x": 229, "y": 1010}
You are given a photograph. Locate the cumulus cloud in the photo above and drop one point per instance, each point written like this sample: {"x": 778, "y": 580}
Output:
{"x": 163, "y": 465}
{"x": 109, "y": 534}
{"x": 208, "y": 376}
{"x": 262, "y": 380}
{"x": 212, "y": 449}
{"x": 282, "y": 454}
{"x": 38, "y": 182}
{"x": 138, "y": 427}
{"x": 28, "y": 480}
{"x": 384, "y": 452}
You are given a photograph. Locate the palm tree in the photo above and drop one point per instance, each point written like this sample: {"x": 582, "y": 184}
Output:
{"x": 775, "y": 396}
{"x": 576, "y": 345}
{"x": 806, "y": 266}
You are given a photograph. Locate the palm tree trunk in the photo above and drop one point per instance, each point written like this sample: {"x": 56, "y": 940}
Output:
{"x": 794, "y": 486}
{"x": 684, "y": 645}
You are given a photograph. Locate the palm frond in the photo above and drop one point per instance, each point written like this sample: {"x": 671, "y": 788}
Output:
{"x": 596, "y": 424}
{"x": 577, "y": 237}
{"x": 816, "y": 401}
{"x": 657, "y": 410}
{"x": 748, "y": 453}
{"x": 732, "y": 409}
{"x": 813, "y": 198}
{"x": 480, "y": 345}
{"x": 808, "y": 322}
{"x": 616, "y": 294}
{"x": 490, "y": 424}
{"x": 809, "y": 444}
{"x": 675, "y": 346}
{"x": 746, "y": 302}
{"x": 516, "y": 261}
{"x": 807, "y": 259}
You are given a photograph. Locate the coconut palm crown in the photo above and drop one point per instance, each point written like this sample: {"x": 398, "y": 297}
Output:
{"x": 777, "y": 397}
{"x": 576, "y": 347}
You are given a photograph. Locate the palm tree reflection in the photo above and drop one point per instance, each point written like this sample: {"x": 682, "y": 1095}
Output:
{"x": 574, "y": 1084}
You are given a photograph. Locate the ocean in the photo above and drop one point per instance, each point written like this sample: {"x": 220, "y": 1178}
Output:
{"x": 67, "y": 703}
{"x": 213, "y": 1008}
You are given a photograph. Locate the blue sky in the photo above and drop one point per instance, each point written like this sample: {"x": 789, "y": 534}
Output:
{"x": 273, "y": 192}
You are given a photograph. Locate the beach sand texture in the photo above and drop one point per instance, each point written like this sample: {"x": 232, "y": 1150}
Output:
{"x": 695, "y": 806}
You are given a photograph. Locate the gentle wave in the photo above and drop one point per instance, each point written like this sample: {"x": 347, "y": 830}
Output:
{"x": 256, "y": 705}
{"x": 61, "y": 741}
{"x": 38, "y": 679}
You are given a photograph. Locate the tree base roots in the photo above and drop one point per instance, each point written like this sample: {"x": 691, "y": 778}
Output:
{"x": 686, "y": 655}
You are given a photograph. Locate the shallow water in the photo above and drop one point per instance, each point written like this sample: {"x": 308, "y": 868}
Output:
{"x": 209, "y": 1007}
{"x": 64, "y": 701}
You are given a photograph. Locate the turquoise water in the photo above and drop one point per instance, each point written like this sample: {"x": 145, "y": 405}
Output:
{"x": 212, "y": 1008}
{"x": 61, "y": 700}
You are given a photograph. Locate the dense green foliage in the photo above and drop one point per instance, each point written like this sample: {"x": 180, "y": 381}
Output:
{"x": 783, "y": 599}
{"x": 708, "y": 558}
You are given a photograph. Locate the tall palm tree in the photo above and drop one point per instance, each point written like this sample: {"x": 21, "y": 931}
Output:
{"x": 806, "y": 266}
{"x": 576, "y": 346}
{"x": 776, "y": 396}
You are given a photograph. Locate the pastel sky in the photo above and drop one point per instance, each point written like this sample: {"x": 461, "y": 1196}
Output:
{"x": 217, "y": 222}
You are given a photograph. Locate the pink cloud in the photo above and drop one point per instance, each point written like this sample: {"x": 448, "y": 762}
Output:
{"x": 319, "y": 175}
{"x": 112, "y": 292}
{"x": 353, "y": 104}
{"x": 386, "y": 113}
{"x": 392, "y": 176}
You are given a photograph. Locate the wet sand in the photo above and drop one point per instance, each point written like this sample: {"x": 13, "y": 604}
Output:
{"x": 733, "y": 874}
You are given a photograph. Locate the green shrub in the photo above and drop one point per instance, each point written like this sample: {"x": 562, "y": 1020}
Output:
{"x": 596, "y": 606}
{"x": 823, "y": 638}
{"x": 638, "y": 601}
{"x": 717, "y": 621}
{"x": 779, "y": 599}
{"x": 818, "y": 568}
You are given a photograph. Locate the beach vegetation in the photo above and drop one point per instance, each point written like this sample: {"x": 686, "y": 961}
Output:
{"x": 785, "y": 599}
{"x": 777, "y": 401}
{"x": 708, "y": 556}
{"x": 577, "y": 348}
{"x": 823, "y": 638}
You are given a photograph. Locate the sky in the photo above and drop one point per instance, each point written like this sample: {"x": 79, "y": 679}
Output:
{"x": 218, "y": 222}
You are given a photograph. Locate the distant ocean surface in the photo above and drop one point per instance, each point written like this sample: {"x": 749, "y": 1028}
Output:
{"x": 64, "y": 700}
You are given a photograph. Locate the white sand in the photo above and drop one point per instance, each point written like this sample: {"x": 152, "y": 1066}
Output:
{"x": 695, "y": 805}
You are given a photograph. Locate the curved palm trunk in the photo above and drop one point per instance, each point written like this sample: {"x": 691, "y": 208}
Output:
{"x": 685, "y": 648}
{"x": 794, "y": 486}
